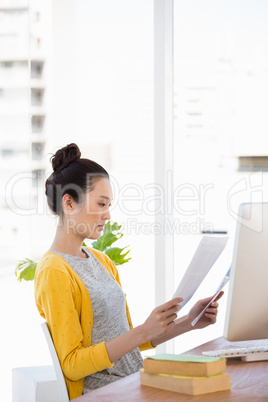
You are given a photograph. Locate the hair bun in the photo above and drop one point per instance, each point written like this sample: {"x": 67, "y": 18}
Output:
{"x": 65, "y": 156}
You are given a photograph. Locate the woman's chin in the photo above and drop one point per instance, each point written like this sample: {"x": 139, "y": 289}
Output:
{"x": 94, "y": 236}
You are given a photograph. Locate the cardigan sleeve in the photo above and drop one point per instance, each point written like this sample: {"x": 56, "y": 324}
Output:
{"x": 55, "y": 298}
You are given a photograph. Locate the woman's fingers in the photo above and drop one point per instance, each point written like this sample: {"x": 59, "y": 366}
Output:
{"x": 204, "y": 302}
{"x": 171, "y": 317}
{"x": 170, "y": 304}
{"x": 212, "y": 312}
{"x": 212, "y": 318}
{"x": 162, "y": 318}
{"x": 167, "y": 312}
{"x": 219, "y": 296}
{"x": 212, "y": 315}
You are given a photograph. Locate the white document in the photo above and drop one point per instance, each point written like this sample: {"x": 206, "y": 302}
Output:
{"x": 222, "y": 284}
{"x": 208, "y": 251}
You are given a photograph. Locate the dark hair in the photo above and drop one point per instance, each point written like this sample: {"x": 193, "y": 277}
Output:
{"x": 71, "y": 175}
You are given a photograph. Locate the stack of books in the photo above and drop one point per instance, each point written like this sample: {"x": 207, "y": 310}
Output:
{"x": 186, "y": 374}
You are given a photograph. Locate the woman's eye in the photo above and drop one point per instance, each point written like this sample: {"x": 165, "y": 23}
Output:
{"x": 101, "y": 204}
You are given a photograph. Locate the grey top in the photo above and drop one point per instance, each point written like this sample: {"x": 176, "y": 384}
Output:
{"x": 109, "y": 317}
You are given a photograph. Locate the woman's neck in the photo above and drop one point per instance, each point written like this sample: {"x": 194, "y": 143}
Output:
{"x": 67, "y": 243}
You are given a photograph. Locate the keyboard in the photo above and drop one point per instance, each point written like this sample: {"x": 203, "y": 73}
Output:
{"x": 246, "y": 354}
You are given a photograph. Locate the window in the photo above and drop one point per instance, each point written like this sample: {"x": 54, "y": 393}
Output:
{"x": 37, "y": 124}
{"x": 37, "y": 151}
{"x": 221, "y": 89}
{"x": 37, "y": 177}
{"x": 37, "y": 69}
{"x": 37, "y": 95}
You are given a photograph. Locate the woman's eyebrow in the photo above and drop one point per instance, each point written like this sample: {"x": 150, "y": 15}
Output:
{"x": 104, "y": 196}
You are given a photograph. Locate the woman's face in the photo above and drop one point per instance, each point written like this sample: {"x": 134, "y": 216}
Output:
{"x": 87, "y": 220}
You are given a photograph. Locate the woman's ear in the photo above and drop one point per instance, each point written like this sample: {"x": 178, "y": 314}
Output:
{"x": 68, "y": 203}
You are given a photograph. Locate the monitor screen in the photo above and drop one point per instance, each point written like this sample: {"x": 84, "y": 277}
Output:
{"x": 247, "y": 305}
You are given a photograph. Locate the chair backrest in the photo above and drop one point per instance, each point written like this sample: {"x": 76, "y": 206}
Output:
{"x": 63, "y": 393}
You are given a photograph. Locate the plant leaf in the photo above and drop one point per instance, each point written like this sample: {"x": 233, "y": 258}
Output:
{"x": 114, "y": 253}
{"x": 108, "y": 237}
{"x": 26, "y": 270}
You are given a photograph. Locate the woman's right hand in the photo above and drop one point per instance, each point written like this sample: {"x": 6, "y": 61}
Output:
{"x": 161, "y": 319}
{"x": 159, "y": 322}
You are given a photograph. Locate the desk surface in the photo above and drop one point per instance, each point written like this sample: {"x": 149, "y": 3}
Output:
{"x": 249, "y": 382}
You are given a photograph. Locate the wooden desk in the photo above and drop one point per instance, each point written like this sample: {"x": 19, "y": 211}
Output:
{"x": 249, "y": 382}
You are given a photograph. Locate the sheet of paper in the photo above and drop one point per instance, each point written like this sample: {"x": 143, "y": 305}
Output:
{"x": 207, "y": 253}
{"x": 222, "y": 284}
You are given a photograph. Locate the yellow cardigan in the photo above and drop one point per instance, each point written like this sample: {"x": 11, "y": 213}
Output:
{"x": 63, "y": 301}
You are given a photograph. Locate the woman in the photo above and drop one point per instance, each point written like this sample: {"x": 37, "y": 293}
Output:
{"x": 78, "y": 290}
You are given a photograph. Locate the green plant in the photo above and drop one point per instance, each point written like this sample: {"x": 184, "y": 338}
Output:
{"x": 26, "y": 268}
{"x": 111, "y": 234}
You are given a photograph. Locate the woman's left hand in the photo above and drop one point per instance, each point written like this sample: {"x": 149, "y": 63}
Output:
{"x": 210, "y": 315}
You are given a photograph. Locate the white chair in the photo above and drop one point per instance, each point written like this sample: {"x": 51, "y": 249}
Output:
{"x": 35, "y": 384}
{"x": 64, "y": 397}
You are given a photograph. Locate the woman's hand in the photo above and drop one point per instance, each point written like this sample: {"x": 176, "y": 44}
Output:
{"x": 159, "y": 322}
{"x": 210, "y": 315}
{"x": 161, "y": 319}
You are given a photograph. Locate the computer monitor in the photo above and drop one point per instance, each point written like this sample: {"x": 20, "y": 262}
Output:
{"x": 247, "y": 305}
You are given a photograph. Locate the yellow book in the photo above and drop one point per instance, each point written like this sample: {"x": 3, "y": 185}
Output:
{"x": 187, "y": 385}
{"x": 186, "y": 365}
